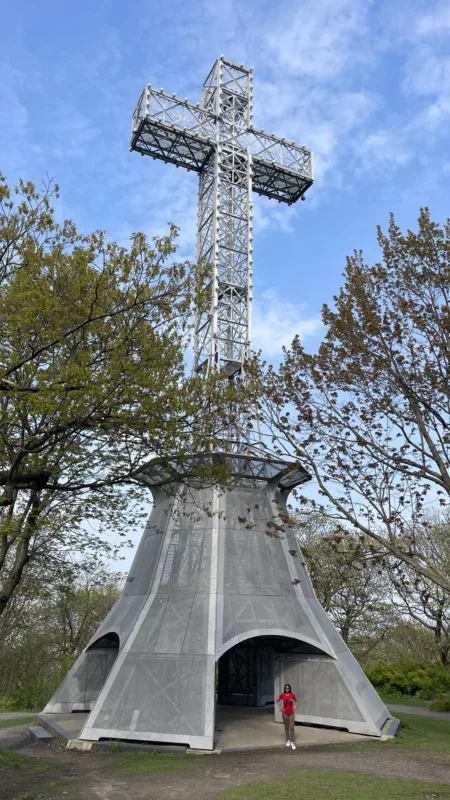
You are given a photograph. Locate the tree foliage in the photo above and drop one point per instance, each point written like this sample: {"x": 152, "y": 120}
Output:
{"x": 350, "y": 582}
{"x": 412, "y": 678}
{"x": 369, "y": 414}
{"x": 92, "y": 376}
{"x": 46, "y": 626}
{"x": 419, "y": 598}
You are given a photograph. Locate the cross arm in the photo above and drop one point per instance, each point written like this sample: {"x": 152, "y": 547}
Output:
{"x": 173, "y": 130}
{"x": 281, "y": 170}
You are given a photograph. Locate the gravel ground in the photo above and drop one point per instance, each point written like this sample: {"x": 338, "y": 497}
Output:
{"x": 418, "y": 711}
{"x": 14, "y": 738}
{"x": 15, "y": 714}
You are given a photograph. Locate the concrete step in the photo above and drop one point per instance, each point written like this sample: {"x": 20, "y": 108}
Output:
{"x": 55, "y": 730}
{"x": 38, "y": 734}
{"x": 390, "y": 729}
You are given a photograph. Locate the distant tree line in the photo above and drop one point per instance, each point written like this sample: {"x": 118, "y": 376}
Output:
{"x": 380, "y": 606}
{"x": 47, "y": 625}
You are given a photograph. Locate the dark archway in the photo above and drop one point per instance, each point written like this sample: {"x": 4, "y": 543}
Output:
{"x": 99, "y": 659}
{"x": 84, "y": 682}
{"x": 109, "y": 641}
{"x": 246, "y": 670}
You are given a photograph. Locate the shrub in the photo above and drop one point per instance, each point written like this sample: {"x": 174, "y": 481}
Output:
{"x": 31, "y": 694}
{"x": 441, "y": 703}
{"x": 6, "y": 704}
{"x": 404, "y": 677}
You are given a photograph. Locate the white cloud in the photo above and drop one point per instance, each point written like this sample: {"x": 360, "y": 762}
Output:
{"x": 276, "y": 322}
{"x": 271, "y": 214}
{"x": 324, "y": 118}
{"x": 427, "y": 71}
{"x": 72, "y": 133}
{"x": 16, "y": 136}
{"x": 170, "y": 196}
{"x": 436, "y": 23}
{"x": 318, "y": 37}
{"x": 304, "y": 91}
{"x": 409, "y": 133}
{"x": 321, "y": 50}
{"x": 384, "y": 146}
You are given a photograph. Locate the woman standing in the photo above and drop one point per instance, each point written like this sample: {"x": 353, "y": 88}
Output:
{"x": 287, "y": 703}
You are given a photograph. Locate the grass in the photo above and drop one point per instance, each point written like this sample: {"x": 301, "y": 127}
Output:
{"x": 153, "y": 763}
{"x": 307, "y": 784}
{"x": 416, "y": 702}
{"x": 428, "y": 737}
{"x": 11, "y": 723}
{"x": 419, "y": 733}
{"x": 424, "y": 733}
{"x": 11, "y": 760}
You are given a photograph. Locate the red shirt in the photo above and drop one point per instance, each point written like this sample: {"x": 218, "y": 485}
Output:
{"x": 288, "y": 702}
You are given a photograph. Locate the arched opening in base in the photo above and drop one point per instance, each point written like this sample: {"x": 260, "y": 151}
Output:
{"x": 99, "y": 659}
{"x": 246, "y": 671}
{"x": 85, "y": 680}
{"x": 110, "y": 641}
{"x": 250, "y": 676}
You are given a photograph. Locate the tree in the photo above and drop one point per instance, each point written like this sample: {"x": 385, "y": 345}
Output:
{"x": 405, "y": 641}
{"x": 423, "y": 600}
{"x": 47, "y": 624}
{"x": 369, "y": 414}
{"x": 92, "y": 377}
{"x": 350, "y": 582}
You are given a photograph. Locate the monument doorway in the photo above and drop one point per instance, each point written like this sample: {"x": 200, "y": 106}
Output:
{"x": 246, "y": 671}
{"x": 245, "y": 675}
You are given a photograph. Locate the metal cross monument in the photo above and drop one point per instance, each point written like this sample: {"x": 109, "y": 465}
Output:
{"x": 213, "y": 608}
{"x": 216, "y": 138}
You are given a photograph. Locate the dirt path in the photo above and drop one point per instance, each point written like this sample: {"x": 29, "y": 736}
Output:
{"x": 14, "y": 738}
{"x": 15, "y": 714}
{"x": 418, "y": 711}
{"x": 56, "y": 774}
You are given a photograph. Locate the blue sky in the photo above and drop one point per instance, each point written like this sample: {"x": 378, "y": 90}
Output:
{"x": 365, "y": 85}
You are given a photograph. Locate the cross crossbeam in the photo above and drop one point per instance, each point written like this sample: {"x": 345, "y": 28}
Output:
{"x": 216, "y": 139}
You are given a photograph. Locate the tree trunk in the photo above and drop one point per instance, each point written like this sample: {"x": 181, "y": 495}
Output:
{"x": 345, "y": 631}
{"x": 443, "y": 648}
{"x": 22, "y": 555}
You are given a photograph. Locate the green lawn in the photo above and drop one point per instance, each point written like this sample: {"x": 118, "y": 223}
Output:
{"x": 11, "y": 723}
{"x": 309, "y": 785}
{"x": 405, "y": 701}
{"x": 420, "y": 733}
{"x": 11, "y": 760}
{"x": 425, "y": 733}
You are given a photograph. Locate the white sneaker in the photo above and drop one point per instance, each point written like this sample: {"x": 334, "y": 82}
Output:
{"x": 288, "y": 743}
{"x": 293, "y": 745}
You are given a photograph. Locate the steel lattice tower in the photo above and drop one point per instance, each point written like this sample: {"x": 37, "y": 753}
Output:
{"x": 217, "y": 139}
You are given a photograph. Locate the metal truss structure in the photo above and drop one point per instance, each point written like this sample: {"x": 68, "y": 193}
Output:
{"x": 159, "y": 473}
{"x": 216, "y": 138}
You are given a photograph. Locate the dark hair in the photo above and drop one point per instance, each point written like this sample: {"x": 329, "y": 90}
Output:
{"x": 290, "y": 689}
